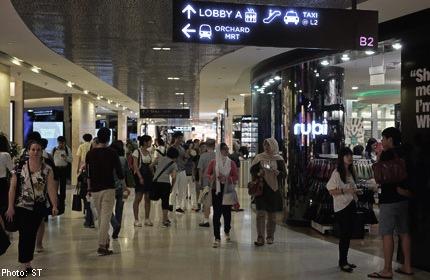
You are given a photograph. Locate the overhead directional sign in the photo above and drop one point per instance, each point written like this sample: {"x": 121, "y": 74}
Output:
{"x": 277, "y": 26}
{"x": 165, "y": 113}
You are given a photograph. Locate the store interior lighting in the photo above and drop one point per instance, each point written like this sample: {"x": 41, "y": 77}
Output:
{"x": 16, "y": 61}
{"x": 179, "y": 93}
{"x": 354, "y": 88}
{"x": 86, "y": 91}
{"x": 70, "y": 84}
{"x": 345, "y": 57}
{"x": 325, "y": 63}
{"x": 369, "y": 52}
{"x": 36, "y": 69}
{"x": 397, "y": 46}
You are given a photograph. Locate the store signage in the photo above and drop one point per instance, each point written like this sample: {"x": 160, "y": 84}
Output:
{"x": 313, "y": 128}
{"x": 422, "y": 96}
{"x": 165, "y": 113}
{"x": 277, "y": 26}
{"x": 180, "y": 128}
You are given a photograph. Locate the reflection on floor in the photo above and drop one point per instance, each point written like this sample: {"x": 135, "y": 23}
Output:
{"x": 184, "y": 252}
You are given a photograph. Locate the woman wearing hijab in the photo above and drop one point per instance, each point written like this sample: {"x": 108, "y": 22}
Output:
{"x": 269, "y": 167}
{"x": 222, "y": 174}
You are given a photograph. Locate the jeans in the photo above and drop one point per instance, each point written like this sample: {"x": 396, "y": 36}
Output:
{"x": 104, "y": 201}
{"x": 268, "y": 228}
{"x": 220, "y": 210}
{"x": 116, "y": 218}
{"x": 62, "y": 177}
{"x": 345, "y": 218}
{"x": 28, "y": 223}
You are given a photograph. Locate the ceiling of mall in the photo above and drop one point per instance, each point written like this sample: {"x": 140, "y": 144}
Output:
{"x": 114, "y": 39}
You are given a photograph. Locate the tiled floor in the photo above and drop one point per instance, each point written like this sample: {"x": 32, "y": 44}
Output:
{"x": 184, "y": 252}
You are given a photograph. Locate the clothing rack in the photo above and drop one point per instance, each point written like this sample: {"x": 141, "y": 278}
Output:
{"x": 320, "y": 205}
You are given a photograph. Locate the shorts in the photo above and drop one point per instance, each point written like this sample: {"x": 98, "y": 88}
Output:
{"x": 394, "y": 218}
{"x": 145, "y": 188}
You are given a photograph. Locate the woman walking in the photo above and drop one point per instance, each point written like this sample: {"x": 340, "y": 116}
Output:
{"x": 343, "y": 189}
{"x": 268, "y": 167}
{"x": 164, "y": 179}
{"x": 143, "y": 174}
{"x": 28, "y": 201}
{"x": 222, "y": 173}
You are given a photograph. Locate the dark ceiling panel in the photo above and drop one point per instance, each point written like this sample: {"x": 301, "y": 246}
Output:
{"x": 113, "y": 39}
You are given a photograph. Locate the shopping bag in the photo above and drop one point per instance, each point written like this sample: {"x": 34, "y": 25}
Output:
{"x": 76, "y": 203}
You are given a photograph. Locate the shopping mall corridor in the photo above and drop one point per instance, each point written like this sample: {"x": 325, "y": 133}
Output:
{"x": 184, "y": 251}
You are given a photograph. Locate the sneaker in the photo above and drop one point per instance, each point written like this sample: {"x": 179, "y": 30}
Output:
{"x": 168, "y": 221}
{"x": 179, "y": 210}
{"x": 148, "y": 223}
{"x": 115, "y": 233}
{"x": 104, "y": 252}
{"x": 171, "y": 208}
{"x": 269, "y": 240}
{"x": 346, "y": 268}
{"x": 216, "y": 243}
{"x": 227, "y": 237}
{"x": 166, "y": 224}
{"x": 137, "y": 224}
{"x": 204, "y": 224}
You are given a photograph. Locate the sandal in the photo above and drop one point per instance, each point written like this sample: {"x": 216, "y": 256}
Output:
{"x": 377, "y": 275}
{"x": 400, "y": 271}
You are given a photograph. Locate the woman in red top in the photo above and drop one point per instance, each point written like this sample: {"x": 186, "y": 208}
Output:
{"x": 222, "y": 174}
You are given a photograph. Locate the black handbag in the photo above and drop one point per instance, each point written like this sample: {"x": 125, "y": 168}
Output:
{"x": 77, "y": 201}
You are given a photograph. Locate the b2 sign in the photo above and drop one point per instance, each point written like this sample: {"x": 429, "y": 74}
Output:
{"x": 260, "y": 25}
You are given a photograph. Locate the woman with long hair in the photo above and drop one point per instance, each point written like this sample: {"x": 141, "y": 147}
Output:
{"x": 269, "y": 167}
{"x": 370, "y": 151}
{"x": 343, "y": 189}
{"x": 143, "y": 175}
{"x": 222, "y": 174}
{"x": 30, "y": 186}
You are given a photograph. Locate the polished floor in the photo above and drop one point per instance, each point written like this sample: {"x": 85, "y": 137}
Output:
{"x": 184, "y": 252}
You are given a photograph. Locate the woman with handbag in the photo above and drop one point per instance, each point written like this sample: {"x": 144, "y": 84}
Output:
{"x": 28, "y": 201}
{"x": 342, "y": 188}
{"x": 268, "y": 171}
{"x": 223, "y": 176}
{"x": 143, "y": 175}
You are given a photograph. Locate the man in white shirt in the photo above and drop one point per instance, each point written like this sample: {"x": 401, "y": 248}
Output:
{"x": 62, "y": 158}
{"x": 83, "y": 150}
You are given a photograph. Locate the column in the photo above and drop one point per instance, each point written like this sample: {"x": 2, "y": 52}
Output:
{"x": 122, "y": 126}
{"x": 4, "y": 99}
{"x": 17, "y": 95}
{"x": 83, "y": 121}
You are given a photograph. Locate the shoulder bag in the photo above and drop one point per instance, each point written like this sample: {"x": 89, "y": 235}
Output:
{"x": 154, "y": 193}
{"x": 255, "y": 187}
{"x": 390, "y": 171}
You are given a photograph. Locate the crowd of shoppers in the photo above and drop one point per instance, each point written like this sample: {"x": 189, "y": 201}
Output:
{"x": 198, "y": 171}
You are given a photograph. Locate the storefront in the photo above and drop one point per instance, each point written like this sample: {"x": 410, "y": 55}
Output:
{"x": 314, "y": 102}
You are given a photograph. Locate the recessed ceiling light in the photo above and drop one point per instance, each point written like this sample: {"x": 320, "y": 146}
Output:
{"x": 322, "y": 80}
{"x": 317, "y": 74}
{"x": 124, "y": 108}
{"x": 99, "y": 97}
{"x": 354, "y": 87}
{"x": 256, "y": 87}
{"x": 325, "y": 63}
{"x": 397, "y": 46}
{"x": 117, "y": 105}
{"x": 166, "y": 49}
{"x": 369, "y": 52}
{"x": 86, "y": 91}
{"x": 244, "y": 94}
{"x": 267, "y": 84}
{"x": 300, "y": 91}
{"x": 30, "y": 110}
{"x": 345, "y": 57}
{"x": 70, "y": 84}
{"x": 277, "y": 78}
{"x": 315, "y": 70}
{"x": 109, "y": 101}
{"x": 271, "y": 81}
{"x": 270, "y": 93}
{"x": 156, "y": 49}
{"x": 220, "y": 111}
{"x": 36, "y": 69}
{"x": 16, "y": 61}
{"x": 183, "y": 103}
{"x": 176, "y": 78}
{"x": 98, "y": 116}
{"x": 179, "y": 93}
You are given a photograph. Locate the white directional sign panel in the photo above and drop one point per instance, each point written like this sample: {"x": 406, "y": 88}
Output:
{"x": 260, "y": 25}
